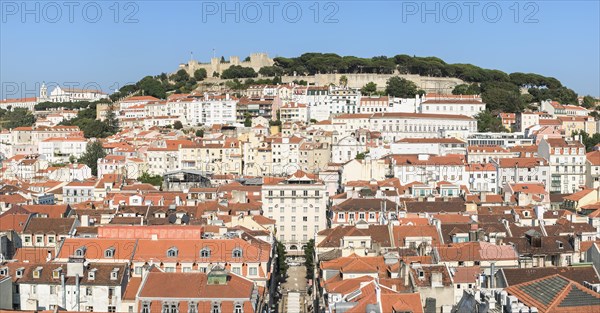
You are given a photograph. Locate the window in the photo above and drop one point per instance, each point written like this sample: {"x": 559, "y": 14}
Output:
{"x": 238, "y": 308}
{"x": 216, "y": 308}
{"x": 50, "y": 239}
{"x": 170, "y": 307}
{"x": 112, "y": 309}
{"x": 90, "y": 309}
{"x": 236, "y": 270}
{"x": 293, "y": 219}
{"x": 109, "y": 253}
{"x": 145, "y": 307}
{"x": 237, "y": 253}
{"x": 172, "y": 252}
{"x": 192, "y": 307}
{"x": 39, "y": 239}
{"x": 205, "y": 253}
{"x": 253, "y": 271}
{"x": 88, "y": 291}
{"x": 80, "y": 252}
{"x": 305, "y": 219}
{"x": 27, "y": 239}
{"x": 138, "y": 270}
{"x": 52, "y": 290}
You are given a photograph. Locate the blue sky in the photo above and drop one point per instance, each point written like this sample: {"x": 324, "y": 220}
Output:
{"x": 89, "y": 44}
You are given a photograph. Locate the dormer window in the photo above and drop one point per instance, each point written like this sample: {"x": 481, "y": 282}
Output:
{"x": 37, "y": 272}
{"x": 56, "y": 273}
{"x": 526, "y": 213}
{"x": 19, "y": 272}
{"x": 205, "y": 253}
{"x": 172, "y": 252}
{"x": 560, "y": 245}
{"x": 114, "y": 274}
{"x": 92, "y": 274}
{"x": 421, "y": 273}
{"x": 4, "y": 271}
{"x": 80, "y": 252}
{"x": 237, "y": 253}
{"x": 238, "y": 308}
{"x": 109, "y": 253}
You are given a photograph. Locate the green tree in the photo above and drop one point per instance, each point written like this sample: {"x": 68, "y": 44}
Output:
{"x": 111, "y": 120}
{"x": 488, "y": 122}
{"x": 401, "y": 88}
{"x": 361, "y": 156}
{"x": 200, "y": 74}
{"x": 236, "y": 71}
{"x": 270, "y": 71}
{"x": 309, "y": 257}
{"x": 281, "y": 256}
{"x": 247, "y": 120}
{"x": 181, "y": 76}
{"x": 200, "y": 133}
{"x": 152, "y": 87}
{"x": 369, "y": 89}
{"x": 177, "y": 125}
{"x": 466, "y": 89}
{"x": 344, "y": 80}
{"x": 17, "y": 117}
{"x": 93, "y": 152}
{"x": 588, "y": 102}
{"x": 155, "y": 180}
{"x": 589, "y": 141}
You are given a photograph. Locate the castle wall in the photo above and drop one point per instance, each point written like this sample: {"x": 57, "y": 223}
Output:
{"x": 257, "y": 60}
{"x": 429, "y": 84}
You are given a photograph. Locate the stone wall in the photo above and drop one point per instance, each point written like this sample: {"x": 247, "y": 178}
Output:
{"x": 257, "y": 60}
{"x": 429, "y": 84}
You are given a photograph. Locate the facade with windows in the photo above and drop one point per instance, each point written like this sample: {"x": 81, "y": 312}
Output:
{"x": 567, "y": 160}
{"x": 298, "y": 204}
{"x": 87, "y": 286}
{"x": 218, "y": 291}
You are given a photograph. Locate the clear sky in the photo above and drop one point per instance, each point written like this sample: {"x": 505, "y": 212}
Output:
{"x": 106, "y": 44}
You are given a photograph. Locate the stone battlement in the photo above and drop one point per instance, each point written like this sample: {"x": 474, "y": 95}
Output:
{"x": 257, "y": 60}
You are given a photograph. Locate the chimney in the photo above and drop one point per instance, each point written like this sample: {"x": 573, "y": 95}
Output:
{"x": 85, "y": 220}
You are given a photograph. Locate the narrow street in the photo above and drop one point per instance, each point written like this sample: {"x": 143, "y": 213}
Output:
{"x": 294, "y": 291}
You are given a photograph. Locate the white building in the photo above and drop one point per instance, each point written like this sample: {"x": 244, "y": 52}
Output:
{"x": 69, "y": 94}
{"x": 452, "y": 105}
{"x": 567, "y": 161}
{"x": 298, "y": 205}
{"x": 60, "y": 150}
{"x": 26, "y": 103}
{"x": 294, "y": 112}
{"x": 522, "y": 170}
{"x": 555, "y": 108}
{"x": 78, "y": 191}
{"x": 99, "y": 289}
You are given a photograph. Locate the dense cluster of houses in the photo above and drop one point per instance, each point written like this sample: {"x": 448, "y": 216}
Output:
{"x": 410, "y": 208}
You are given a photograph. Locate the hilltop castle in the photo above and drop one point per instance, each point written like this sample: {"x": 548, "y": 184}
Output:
{"x": 257, "y": 60}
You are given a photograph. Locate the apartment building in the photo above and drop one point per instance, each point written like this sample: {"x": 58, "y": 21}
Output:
{"x": 298, "y": 204}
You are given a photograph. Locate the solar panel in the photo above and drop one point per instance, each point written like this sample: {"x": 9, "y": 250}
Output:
{"x": 545, "y": 290}
{"x": 577, "y": 297}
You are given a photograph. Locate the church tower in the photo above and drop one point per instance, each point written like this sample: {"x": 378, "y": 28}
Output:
{"x": 43, "y": 92}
